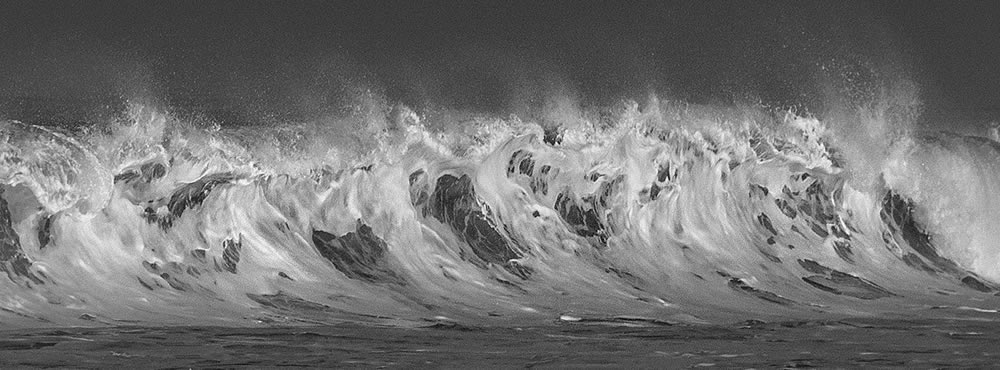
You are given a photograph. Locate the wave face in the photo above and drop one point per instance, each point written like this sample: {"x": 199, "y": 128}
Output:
{"x": 651, "y": 215}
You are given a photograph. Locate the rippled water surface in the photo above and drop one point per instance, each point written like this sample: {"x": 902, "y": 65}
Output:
{"x": 751, "y": 344}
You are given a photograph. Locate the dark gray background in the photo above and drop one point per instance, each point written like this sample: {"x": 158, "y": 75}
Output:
{"x": 253, "y": 61}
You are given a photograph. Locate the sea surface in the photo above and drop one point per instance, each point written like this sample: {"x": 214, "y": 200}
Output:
{"x": 849, "y": 343}
{"x": 660, "y": 235}
{"x": 338, "y": 184}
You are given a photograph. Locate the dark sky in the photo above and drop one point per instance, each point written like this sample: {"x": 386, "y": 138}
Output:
{"x": 243, "y": 60}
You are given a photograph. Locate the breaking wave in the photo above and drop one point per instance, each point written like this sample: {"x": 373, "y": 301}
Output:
{"x": 659, "y": 214}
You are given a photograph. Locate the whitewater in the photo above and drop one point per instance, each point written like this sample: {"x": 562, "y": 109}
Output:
{"x": 658, "y": 213}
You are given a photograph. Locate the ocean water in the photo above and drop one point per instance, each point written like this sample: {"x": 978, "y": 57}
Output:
{"x": 825, "y": 344}
{"x": 498, "y": 184}
{"x": 650, "y": 234}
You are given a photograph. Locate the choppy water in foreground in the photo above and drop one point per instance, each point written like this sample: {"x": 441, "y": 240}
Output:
{"x": 799, "y": 344}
